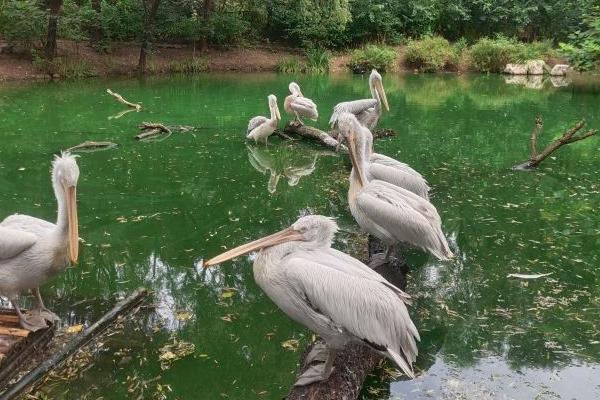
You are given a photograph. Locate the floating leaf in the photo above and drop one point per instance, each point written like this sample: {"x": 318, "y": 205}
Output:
{"x": 291, "y": 344}
{"x": 183, "y": 315}
{"x": 174, "y": 351}
{"x": 74, "y": 328}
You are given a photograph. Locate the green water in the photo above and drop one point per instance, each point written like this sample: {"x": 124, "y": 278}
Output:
{"x": 150, "y": 212}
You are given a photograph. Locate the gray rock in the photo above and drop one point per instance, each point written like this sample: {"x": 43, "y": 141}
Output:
{"x": 535, "y": 67}
{"x": 515, "y": 69}
{"x": 559, "y": 70}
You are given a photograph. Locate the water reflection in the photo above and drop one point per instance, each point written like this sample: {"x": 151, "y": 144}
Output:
{"x": 537, "y": 81}
{"x": 294, "y": 162}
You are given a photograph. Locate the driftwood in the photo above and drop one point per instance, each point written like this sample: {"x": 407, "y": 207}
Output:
{"x": 535, "y": 157}
{"x": 89, "y": 146}
{"x": 355, "y": 362}
{"x": 121, "y": 308}
{"x": 153, "y": 129}
{"x": 120, "y": 99}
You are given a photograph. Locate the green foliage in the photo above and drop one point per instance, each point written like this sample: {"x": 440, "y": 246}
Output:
{"x": 22, "y": 21}
{"x": 226, "y": 28}
{"x": 492, "y": 55}
{"x": 191, "y": 66}
{"x": 317, "y": 61}
{"x": 432, "y": 54}
{"x": 76, "y": 20}
{"x": 371, "y": 56}
{"x": 583, "y": 47}
{"x": 289, "y": 66}
{"x": 122, "y": 21}
{"x": 73, "y": 68}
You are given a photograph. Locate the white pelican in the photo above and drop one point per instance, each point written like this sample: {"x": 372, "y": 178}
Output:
{"x": 298, "y": 105}
{"x": 260, "y": 128}
{"x": 384, "y": 168}
{"x": 331, "y": 293}
{"x": 367, "y": 111}
{"x": 32, "y": 250}
{"x": 386, "y": 211}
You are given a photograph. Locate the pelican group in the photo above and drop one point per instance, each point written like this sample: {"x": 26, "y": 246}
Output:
{"x": 32, "y": 250}
{"x": 331, "y": 293}
{"x": 260, "y": 128}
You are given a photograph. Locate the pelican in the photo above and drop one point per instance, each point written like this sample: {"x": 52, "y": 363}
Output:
{"x": 387, "y": 169}
{"x": 331, "y": 293}
{"x": 389, "y": 212}
{"x": 367, "y": 111}
{"x": 298, "y": 105}
{"x": 260, "y": 128}
{"x": 32, "y": 250}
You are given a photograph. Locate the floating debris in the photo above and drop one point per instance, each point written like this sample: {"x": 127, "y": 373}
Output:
{"x": 528, "y": 276}
{"x": 174, "y": 351}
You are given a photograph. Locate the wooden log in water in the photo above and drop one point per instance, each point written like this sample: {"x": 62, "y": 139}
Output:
{"x": 79, "y": 341}
{"x": 312, "y": 133}
{"x": 355, "y": 362}
{"x": 121, "y": 100}
{"x": 89, "y": 145}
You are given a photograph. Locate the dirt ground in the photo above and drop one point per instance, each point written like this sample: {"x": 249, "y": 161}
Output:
{"x": 122, "y": 59}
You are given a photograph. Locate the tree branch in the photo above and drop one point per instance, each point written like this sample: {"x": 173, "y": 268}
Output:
{"x": 120, "y": 99}
{"x": 539, "y": 123}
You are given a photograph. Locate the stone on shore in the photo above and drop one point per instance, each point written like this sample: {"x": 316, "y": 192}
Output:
{"x": 516, "y": 69}
{"x": 535, "y": 67}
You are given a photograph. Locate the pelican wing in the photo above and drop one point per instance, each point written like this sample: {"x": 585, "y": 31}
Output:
{"x": 26, "y": 223}
{"x": 364, "y": 307}
{"x": 353, "y": 107}
{"x": 403, "y": 176}
{"x": 255, "y": 122}
{"x": 369, "y": 118}
{"x": 406, "y": 216}
{"x": 305, "y": 108}
{"x": 13, "y": 242}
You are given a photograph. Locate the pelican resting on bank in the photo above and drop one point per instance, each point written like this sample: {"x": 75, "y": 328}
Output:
{"x": 32, "y": 250}
{"x": 260, "y": 128}
{"x": 384, "y": 168}
{"x": 331, "y": 293}
{"x": 367, "y": 111}
{"x": 389, "y": 212}
{"x": 299, "y": 106}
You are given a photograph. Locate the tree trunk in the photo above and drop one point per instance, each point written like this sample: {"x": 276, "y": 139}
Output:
{"x": 53, "y": 13}
{"x": 206, "y": 11}
{"x": 96, "y": 32}
{"x": 150, "y": 11}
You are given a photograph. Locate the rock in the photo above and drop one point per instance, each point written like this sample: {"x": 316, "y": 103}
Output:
{"x": 535, "y": 67}
{"x": 559, "y": 70}
{"x": 515, "y": 69}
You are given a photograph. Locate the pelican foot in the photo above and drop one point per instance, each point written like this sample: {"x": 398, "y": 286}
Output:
{"x": 316, "y": 373}
{"x": 319, "y": 353}
{"x": 377, "y": 260}
{"x": 33, "y": 321}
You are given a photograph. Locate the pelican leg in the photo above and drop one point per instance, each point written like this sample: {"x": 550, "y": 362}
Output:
{"x": 41, "y": 308}
{"x": 319, "y": 352}
{"x": 29, "y": 322}
{"x": 318, "y": 372}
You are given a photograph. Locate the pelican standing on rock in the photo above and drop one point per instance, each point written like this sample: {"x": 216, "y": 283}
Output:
{"x": 331, "y": 293}
{"x": 388, "y": 212}
{"x": 260, "y": 128}
{"x": 299, "y": 106}
{"x": 384, "y": 168}
{"x": 367, "y": 111}
{"x": 32, "y": 250}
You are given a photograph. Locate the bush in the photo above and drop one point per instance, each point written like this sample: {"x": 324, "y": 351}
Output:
{"x": 190, "y": 66}
{"x": 371, "y": 56}
{"x": 289, "y": 66}
{"x": 583, "y": 48}
{"x": 492, "y": 55}
{"x": 432, "y": 54}
{"x": 22, "y": 22}
{"x": 317, "y": 61}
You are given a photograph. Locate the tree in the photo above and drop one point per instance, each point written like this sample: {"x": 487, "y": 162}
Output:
{"x": 150, "y": 12}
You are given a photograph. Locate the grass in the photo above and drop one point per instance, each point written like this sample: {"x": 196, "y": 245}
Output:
{"x": 69, "y": 68}
{"x": 433, "y": 54}
{"x": 372, "y": 56}
{"x": 195, "y": 65}
{"x": 289, "y": 66}
{"x": 317, "y": 61}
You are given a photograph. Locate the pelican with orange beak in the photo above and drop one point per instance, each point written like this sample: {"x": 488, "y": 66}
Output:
{"x": 32, "y": 250}
{"x": 332, "y": 294}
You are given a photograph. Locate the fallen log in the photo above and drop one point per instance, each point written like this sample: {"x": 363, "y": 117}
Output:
{"x": 121, "y": 100}
{"x": 568, "y": 137}
{"x": 355, "y": 362}
{"x": 121, "y": 308}
{"x": 89, "y": 146}
{"x": 329, "y": 139}
{"x": 152, "y": 129}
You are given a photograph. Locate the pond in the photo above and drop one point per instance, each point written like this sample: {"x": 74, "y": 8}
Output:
{"x": 150, "y": 212}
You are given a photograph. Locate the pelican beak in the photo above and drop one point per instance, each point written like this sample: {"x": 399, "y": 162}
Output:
{"x": 352, "y": 151}
{"x": 285, "y": 235}
{"x": 71, "y": 195}
{"x": 277, "y": 112}
{"x": 382, "y": 96}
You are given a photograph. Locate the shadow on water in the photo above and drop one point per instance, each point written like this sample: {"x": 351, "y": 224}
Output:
{"x": 150, "y": 212}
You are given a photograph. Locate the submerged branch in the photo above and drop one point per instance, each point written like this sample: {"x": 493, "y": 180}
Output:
{"x": 89, "y": 146}
{"x": 120, "y": 99}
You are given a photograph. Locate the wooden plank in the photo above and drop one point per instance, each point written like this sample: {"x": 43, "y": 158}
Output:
{"x": 14, "y": 331}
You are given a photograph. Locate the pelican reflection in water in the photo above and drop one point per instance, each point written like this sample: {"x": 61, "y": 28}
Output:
{"x": 331, "y": 293}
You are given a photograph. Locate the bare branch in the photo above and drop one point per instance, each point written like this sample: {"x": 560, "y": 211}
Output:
{"x": 120, "y": 99}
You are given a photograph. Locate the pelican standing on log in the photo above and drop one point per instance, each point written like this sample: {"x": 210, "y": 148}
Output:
{"x": 331, "y": 293}
{"x": 260, "y": 128}
{"x": 299, "y": 106}
{"x": 367, "y": 111}
{"x": 388, "y": 212}
{"x": 32, "y": 250}
{"x": 384, "y": 168}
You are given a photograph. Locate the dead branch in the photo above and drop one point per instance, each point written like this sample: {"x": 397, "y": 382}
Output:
{"x": 92, "y": 146}
{"x": 566, "y": 138}
{"x": 311, "y": 133}
{"x": 154, "y": 125}
{"x": 152, "y": 129}
{"x": 120, "y": 99}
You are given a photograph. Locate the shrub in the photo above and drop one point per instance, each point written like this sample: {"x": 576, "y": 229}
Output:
{"x": 289, "y": 66}
{"x": 431, "y": 54}
{"x": 22, "y": 22}
{"x": 492, "y": 55}
{"x": 583, "y": 48}
{"x": 190, "y": 66}
{"x": 317, "y": 61}
{"x": 65, "y": 67}
{"x": 371, "y": 56}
